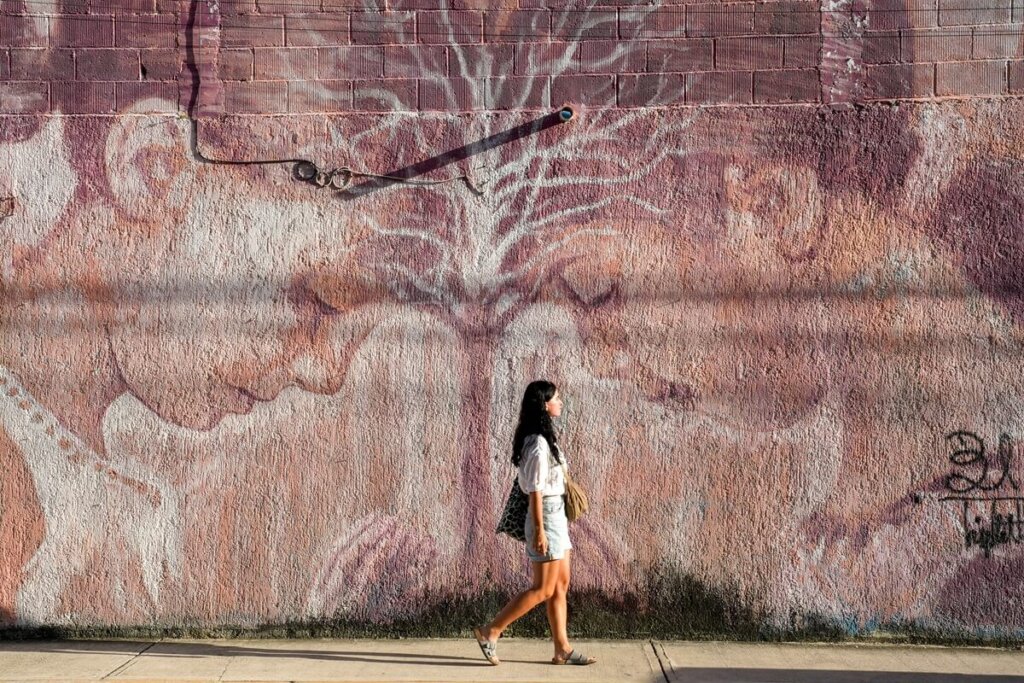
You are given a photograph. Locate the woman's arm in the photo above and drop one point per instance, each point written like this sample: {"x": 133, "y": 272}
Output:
{"x": 540, "y": 541}
{"x": 533, "y": 475}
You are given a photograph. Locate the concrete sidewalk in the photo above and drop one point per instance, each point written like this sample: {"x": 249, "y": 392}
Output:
{"x": 523, "y": 660}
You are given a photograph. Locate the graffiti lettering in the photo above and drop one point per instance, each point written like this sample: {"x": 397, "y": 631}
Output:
{"x": 997, "y": 527}
{"x": 968, "y": 455}
{"x": 988, "y": 520}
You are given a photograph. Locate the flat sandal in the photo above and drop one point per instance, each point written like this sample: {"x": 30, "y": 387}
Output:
{"x": 574, "y": 657}
{"x": 489, "y": 649}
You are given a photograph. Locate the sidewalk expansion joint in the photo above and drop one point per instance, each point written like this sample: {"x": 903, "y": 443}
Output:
{"x": 663, "y": 661}
{"x": 128, "y": 663}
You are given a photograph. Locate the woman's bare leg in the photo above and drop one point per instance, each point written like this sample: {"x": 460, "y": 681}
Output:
{"x": 545, "y": 579}
{"x": 558, "y": 611}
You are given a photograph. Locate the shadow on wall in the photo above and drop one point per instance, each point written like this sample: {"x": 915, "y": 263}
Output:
{"x": 666, "y": 605}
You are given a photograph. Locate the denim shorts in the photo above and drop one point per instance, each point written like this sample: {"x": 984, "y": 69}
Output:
{"x": 556, "y": 529}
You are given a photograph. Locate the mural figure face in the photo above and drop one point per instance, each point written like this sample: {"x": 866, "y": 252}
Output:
{"x": 214, "y": 317}
{"x": 37, "y": 183}
{"x": 197, "y": 295}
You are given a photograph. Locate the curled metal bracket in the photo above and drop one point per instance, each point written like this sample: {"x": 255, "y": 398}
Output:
{"x": 341, "y": 178}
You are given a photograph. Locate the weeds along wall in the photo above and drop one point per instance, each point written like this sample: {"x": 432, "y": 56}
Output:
{"x": 773, "y": 261}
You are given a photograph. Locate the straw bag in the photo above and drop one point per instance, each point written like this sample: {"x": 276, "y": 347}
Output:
{"x": 576, "y": 503}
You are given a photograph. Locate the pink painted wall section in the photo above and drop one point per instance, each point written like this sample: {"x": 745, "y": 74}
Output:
{"x": 789, "y": 337}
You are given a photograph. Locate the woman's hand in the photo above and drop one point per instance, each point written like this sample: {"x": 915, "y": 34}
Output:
{"x": 540, "y": 543}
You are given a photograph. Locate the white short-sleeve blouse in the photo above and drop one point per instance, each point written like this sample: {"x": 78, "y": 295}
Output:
{"x": 539, "y": 469}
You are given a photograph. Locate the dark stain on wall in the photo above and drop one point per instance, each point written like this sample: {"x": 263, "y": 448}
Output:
{"x": 868, "y": 150}
{"x": 981, "y": 219}
{"x": 985, "y": 591}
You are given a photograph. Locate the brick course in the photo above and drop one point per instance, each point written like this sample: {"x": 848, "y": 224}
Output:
{"x": 732, "y": 54}
{"x": 480, "y": 61}
{"x": 652, "y": 90}
{"x": 593, "y": 25}
{"x": 450, "y": 27}
{"x": 735, "y": 87}
{"x": 971, "y": 78}
{"x": 936, "y": 45}
{"x": 159, "y": 98}
{"x": 29, "y": 64}
{"x": 252, "y": 31}
{"x": 898, "y": 81}
{"x": 411, "y": 61}
{"x": 885, "y": 15}
{"x": 129, "y": 7}
{"x": 394, "y": 94}
{"x": 316, "y": 30}
{"x": 613, "y": 56}
{"x": 383, "y": 28}
{"x": 107, "y": 65}
{"x": 646, "y": 23}
{"x": 680, "y": 55}
{"x": 17, "y": 31}
{"x": 881, "y": 47}
{"x": 518, "y": 93}
{"x": 256, "y": 97}
{"x": 146, "y": 30}
{"x": 970, "y": 12}
{"x": 82, "y": 98}
{"x": 440, "y": 94}
{"x": 272, "y": 56}
{"x": 345, "y": 6}
{"x": 716, "y": 20}
{"x": 1016, "y": 78}
{"x": 517, "y": 26}
{"x": 355, "y": 62}
{"x": 1002, "y": 42}
{"x": 237, "y": 65}
{"x": 162, "y": 64}
{"x": 790, "y": 85}
{"x": 775, "y": 18}
{"x": 320, "y": 96}
{"x": 93, "y": 31}
{"x": 285, "y": 64}
{"x": 547, "y": 59}
{"x": 801, "y": 51}
{"x": 583, "y": 89}
{"x": 24, "y": 97}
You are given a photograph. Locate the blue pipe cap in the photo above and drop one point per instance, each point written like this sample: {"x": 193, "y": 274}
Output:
{"x": 565, "y": 114}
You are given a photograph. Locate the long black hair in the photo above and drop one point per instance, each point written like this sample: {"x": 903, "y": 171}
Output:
{"x": 534, "y": 418}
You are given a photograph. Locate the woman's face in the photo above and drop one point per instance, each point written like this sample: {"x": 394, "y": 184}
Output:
{"x": 554, "y": 406}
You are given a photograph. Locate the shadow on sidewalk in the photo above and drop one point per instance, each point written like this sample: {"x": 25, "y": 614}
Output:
{"x": 214, "y": 650}
{"x": 716, "y": 675}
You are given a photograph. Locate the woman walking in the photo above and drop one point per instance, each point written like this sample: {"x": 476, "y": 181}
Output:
{"x": 536, "y": 453}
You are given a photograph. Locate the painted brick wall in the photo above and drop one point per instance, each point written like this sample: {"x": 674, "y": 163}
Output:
{"x": 789, "y": 331}
{"x": 299, "y": 56}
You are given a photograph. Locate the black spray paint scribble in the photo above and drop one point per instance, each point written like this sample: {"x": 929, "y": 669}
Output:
{"x": 993, "y": 512}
